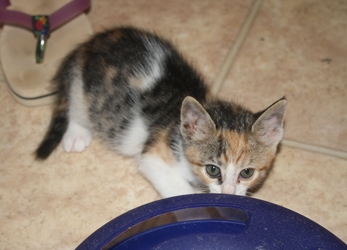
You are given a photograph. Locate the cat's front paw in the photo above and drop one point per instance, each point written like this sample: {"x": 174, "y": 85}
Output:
{"x": 77, "y": 138}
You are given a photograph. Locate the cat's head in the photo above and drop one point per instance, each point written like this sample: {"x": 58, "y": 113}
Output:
{"x": 229, "y": 148}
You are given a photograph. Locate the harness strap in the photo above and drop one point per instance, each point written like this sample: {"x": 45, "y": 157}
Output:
{"x": 42, "y": 25}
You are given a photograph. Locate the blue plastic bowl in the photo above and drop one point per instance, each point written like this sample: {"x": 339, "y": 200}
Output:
{"x": 211, "y": 221}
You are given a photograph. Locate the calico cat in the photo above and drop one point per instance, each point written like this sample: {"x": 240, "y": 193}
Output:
{"x": 137, "y": 93}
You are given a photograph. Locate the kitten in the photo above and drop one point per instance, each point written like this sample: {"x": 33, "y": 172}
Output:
{"x": 138, "y": 94}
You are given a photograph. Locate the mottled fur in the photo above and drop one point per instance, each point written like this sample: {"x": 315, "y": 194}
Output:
{"x": 133, "y": 90}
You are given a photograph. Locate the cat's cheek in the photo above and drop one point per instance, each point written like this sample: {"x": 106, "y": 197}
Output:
{"x": 215, "y": 188}
{"x": 241, "y": 189}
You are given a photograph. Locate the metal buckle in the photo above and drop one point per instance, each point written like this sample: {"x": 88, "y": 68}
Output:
{"x": 41, "y": 30}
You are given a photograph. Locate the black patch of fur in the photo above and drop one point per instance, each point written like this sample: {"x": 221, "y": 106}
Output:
{"x": 53, "y": 137}
{"x": 230, "y": 116}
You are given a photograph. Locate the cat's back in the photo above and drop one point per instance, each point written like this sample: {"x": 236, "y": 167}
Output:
{"x": 126, "y": 67}
{"x": 139, "y": 58}
{"x": 134, "y": 81}
{"x": 121, "y": 55}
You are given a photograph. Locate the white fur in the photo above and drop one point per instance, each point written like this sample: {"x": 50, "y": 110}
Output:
{"x": 215, "y": 188}
{"x": 230, "y": 184}
{"x": 150, "y": 78}
{"x": 230, "y": 179}
{"x": 167, "y": 180}
{"x": 241, "y": 189}
{"x": 134, "y": 138}
{"x": 184, "y": 167}
{"x": 155, "y": 60}
{"x": 78, "y": 136}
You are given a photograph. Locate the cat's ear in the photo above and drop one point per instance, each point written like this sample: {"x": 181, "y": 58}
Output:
{"x": 196, "y": 123}
{"x": 268, "y": 128}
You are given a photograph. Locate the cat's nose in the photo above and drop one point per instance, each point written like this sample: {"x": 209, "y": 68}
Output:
{"x": 228, "y": 189}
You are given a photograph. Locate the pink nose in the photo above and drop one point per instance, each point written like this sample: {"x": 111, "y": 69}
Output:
{"x": 228, "y": 189}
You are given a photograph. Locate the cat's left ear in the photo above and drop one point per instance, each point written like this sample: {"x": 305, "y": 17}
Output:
{"x": 196, "y": 123}
{"x": 268, "y": 128}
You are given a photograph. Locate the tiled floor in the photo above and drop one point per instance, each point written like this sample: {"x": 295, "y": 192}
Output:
{"x": 298, "y": 49}
{"x": 295, "y": 48}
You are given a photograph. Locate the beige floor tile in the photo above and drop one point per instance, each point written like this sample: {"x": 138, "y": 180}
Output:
{"x": 297, "y": 48}
{"x": 312, "y": 185}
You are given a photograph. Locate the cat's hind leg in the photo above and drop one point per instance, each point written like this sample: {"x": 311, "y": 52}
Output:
{"x": 78, "y": 135}
{"x": 69, "y": 123}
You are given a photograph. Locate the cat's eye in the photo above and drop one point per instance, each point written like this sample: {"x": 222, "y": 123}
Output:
{"x": 247, "y": 173}
{"x": 213, "y": 171}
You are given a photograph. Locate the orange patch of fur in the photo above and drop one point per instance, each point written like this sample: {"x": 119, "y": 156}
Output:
{"x": 161, "y": 149}
{"x": 237, "y": 144}
{"x": 115, "y": 35}
{"x": 136, "y": 82}
{"x": 110, "y": 73}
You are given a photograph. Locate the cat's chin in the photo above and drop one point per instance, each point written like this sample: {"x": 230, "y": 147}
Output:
{"x": 240, "y": 190}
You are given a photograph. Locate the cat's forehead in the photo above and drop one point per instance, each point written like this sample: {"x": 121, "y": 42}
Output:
{"x": 233, "y": 139}
{"x": 227, "y": 115}
{"x": 241, "y": 149}
{"x": 235, "y": 146}
{"x": 227, "y": 146}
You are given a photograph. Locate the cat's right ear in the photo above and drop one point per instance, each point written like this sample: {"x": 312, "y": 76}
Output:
{"x": 196, "y": 123}
{"x": 268, "y": 128}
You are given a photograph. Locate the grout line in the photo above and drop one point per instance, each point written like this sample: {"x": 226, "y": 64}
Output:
{"x": 240, "y": 38}
{"x": 218, "y": 83}
{"x": 315, "y": 149}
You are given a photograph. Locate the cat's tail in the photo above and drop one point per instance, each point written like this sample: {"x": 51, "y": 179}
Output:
{"x": 55, "y": 133}
{"x": 60, "y": 118}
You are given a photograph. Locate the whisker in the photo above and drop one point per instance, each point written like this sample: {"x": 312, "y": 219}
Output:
{"x": 249, "y": 193}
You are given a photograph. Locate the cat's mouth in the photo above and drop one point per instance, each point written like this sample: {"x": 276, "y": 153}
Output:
{"x": 201, "y": 188}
